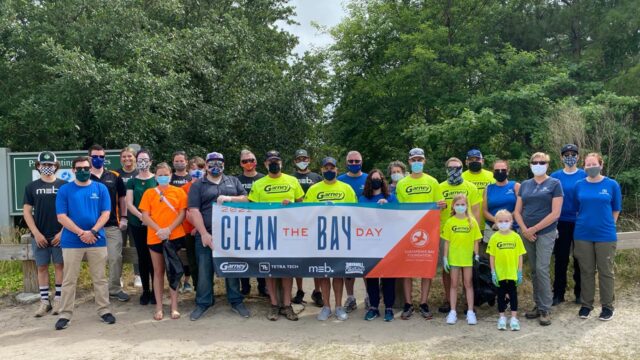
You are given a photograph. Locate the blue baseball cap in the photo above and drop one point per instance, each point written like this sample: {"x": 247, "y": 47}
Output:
{"x": 474, "y": 153}
{"x": 214, "y": 156}
{"x": 329, "y": 160}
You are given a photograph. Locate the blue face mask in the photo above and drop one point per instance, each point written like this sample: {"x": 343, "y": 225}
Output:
{"x": 417, "y": 167}
{"x": 460, "y": 209}
{"x": 329, "y": 175}
{"x": 354, "y": 168}
{"x": 196, "y": 174}
{"x": 216, "y": 170}
{"x": 163, "y": 179}
{"x": 97, "y": 162}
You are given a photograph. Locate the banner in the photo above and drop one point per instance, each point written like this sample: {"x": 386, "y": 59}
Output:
{"x": 326, "y": 240}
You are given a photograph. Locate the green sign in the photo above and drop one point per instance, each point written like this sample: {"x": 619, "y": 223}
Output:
{"x": 23, "y": 171}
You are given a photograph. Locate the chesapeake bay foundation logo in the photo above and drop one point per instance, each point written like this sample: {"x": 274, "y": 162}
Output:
{"x": 234, "y": 267}
{"x": 276, "y": 189}
{"x": 330, "y": 196}
{"x": 354, "y": 268}
{"x": 420, "y": 238}
{"x": 418, "y": 189}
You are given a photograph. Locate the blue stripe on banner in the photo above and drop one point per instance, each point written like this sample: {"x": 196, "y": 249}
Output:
{"x": 393, "y": 206}
{"x": 301, "y": 267}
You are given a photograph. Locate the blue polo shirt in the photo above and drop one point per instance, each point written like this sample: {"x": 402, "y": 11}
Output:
{"x": 83, "y": 205}
{"x": 568, "y": 182}
{"x": 596, "y": 203}
{"x": 356, "y": 183}
{"x": 375, "y": 198}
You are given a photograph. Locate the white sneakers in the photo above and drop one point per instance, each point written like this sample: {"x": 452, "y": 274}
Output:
{"x": 471, "y": 318}
{"x": 452, "y": 317}
{"x": 137, "y": 282}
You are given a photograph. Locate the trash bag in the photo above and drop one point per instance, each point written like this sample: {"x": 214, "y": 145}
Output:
{"x": 483, "y": 289}
{"x": 172, "y": 263}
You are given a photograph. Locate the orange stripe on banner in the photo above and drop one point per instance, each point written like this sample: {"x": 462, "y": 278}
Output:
{"x": 416, "y": 254}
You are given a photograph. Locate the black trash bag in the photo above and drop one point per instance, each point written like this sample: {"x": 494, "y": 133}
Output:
{"x": 172, "y": 264}
{"x": 483, "y": 289}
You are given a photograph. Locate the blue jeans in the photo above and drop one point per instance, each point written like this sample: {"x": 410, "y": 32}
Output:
{"x": 204, "y": 290}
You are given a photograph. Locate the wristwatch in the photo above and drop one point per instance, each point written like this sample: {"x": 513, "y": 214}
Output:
{"x": 95, "y": 233}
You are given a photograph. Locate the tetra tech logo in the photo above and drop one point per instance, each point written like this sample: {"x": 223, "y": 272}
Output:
{"x": 264, "y": 267}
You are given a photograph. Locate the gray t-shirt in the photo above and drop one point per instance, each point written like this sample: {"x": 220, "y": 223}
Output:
{"x": 204, "y": 193}
{"x": 537, "y": 201}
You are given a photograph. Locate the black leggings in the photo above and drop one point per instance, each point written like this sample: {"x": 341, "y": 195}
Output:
{"x": 144, "y": 257}
{"x": 507, "y": 287}
{"x": 388, "y": 291}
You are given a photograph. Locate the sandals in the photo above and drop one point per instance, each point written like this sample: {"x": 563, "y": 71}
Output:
{"x": 175, "y": 315}
{"x": 159, "y": 315}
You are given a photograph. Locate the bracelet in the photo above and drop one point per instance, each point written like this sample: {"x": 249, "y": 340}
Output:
{"x": 123, "y": 217}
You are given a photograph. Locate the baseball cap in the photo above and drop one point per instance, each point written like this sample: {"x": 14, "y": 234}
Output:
{"x": 416, "y": 152}
{"x": 47, "y": 157}
{"x": 214, "y": 156}
{"x": 329, "y": 160}
{"x": 273, "y": 154}
{"x": 474, "y": 153}
{"x": 302, "y": 153}
{"x": 569, "y": 147}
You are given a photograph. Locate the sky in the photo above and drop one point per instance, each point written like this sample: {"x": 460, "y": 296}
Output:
{"x": 326, "y": 13}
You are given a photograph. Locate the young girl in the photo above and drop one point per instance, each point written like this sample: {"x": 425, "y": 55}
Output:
{"x": 461, "y": 234}
{"x": 506, "y": 249}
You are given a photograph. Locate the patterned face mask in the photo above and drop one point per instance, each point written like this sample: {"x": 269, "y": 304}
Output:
{"x": 47, "y": 170}
{"x": 143, "y": 164}
{"x": 454, "y": 175}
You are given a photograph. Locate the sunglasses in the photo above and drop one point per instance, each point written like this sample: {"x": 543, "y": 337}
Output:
{"x": 354, "y": 161}
{"x": 454, "y": 168}
{"x": 538, "y": 163}
{"x": 570, "y": 155}
{"x": 83, "y": 168}
{"x": 248, "y": 161}
{"x": 215, "y": 163}
{"x": 97, "y": 156}
{"x": 500, "y": 170}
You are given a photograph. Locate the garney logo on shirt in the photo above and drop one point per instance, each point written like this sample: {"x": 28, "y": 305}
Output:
{"x": 449, "y": 194}
{"x": 481, "y": 184}
{"x": 418, "y": 189}
{"x": 330, "y": 195}
{"x": 506, "y": 245}
{"x": 460, "y": 229}
{"x": 275, "y": 189}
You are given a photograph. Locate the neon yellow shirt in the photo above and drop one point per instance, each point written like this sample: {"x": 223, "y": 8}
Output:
{"x": 450, "y": 191}
{"x": 481, "y": 180}
{"x": 461, "y": 239}
{"x": 268, "y": 189}
{"x": 506, "y": 250}
{"x": 338, "y": 192}
{"x": 422, "y": 189}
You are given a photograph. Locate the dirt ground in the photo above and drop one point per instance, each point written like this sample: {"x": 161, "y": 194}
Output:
{"x": 221, "y": 334}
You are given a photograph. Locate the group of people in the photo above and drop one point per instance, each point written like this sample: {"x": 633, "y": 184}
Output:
{"x": 483, "y": 214}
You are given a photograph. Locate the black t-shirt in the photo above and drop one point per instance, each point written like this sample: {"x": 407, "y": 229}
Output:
{"x": 308, "y": 179}
{"x": 42, "y": 196}
{"x": 247, "y": 182}
{"x": 180, "y": 181}
{"x": 116, "y": 188}
{"x": 125, "y": 176}
{"x": 204, "y": 193}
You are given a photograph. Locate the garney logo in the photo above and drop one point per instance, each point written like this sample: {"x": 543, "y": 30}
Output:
{"x": 354, "y": 268}
{"x": 330, "y": 196}
{"x": 234, "y": 267}
{"x": 420, "y": 238}
{"x": 449, "y": 194}
{"x": 418, "y": 189}
{"x": 506, "y": 245}
{"x": 273, "y": 189}
{"x": 460, "y": 229}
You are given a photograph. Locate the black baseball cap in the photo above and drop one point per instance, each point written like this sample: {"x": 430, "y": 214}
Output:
{"x": 569, "y": 147}
{"x": 47, "y": 157}
{"x": 273, "y": 154}
{"x": 301, "y": 153}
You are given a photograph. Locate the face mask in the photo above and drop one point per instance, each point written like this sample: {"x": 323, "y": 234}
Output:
{"x": 302, "y": 165}
{"x": 460, "y": 209}
{"x": 216, "y": 170}
{"x": 354, "y": 168}
{"x": 196, "y": 174}
{"x": 475, "y": 166}
{"x": 539, "y": 170}
{"x": 143, "y": 164}
{"x": 504, "y": 225}
{"x": 47, "y": 170}
{"x": 274, "y": 167}
{"x": 163, "y": 179}
{"x": 97, "y": 162}
{"x": 83, "y": 175}
{"x": 249, "y": 166}
{"x": 329, "y": 175}
{"x": 500, "y": 176}
{"x": 454, "y": 175}
{"x": 593, "y": 171}
{"x": 397, "y": 177}
{"x": 570, "y": 161}
{"x": 417, "y": 167}
{"x": 376, "y": 184}
{"x": 179, "y": 166}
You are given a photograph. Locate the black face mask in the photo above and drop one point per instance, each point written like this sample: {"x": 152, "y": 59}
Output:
{"x": 274, "y": 167}
{"x": 376, "y": 184}
{"x": 500, "y": 176}
{"x": 475, "y": 166}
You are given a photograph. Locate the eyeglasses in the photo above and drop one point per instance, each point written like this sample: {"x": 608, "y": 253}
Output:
{"x": 83, "y": 168}
{"x": 352, "y": 161}
{"x": 97, "y": 156}
{"x": 538, "y": 163}
{"x": 215, "y": 163}
{"x": 248, "y": 161}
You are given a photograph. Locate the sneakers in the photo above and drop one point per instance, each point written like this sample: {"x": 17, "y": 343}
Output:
{"x": 121, "y": 296}
{"x": 241, "y": 310}
{"x": 43, "y": 309}
{"x": 198, "y": 312}
{"x": 407, "y": 311}
{"x": 274, "y": 312}
{"x": 145, "y": 298}
{"x": 502, "y": 323}
{"x": 288, "y": 312}
{"x": 62, "y": 324}
{"x": 452, "y": 317}
{"x": 324, "y": 314}
{"x": 471, "y": 318}
{"x": 298, "y": 298}
{"x": 545, "y": 318}
{"x": 584, "y": 312}
{"x": 185, "y": 288}
{"x": 533, "y": 313}
{"x": 341, "y": 313}
{"x": 137, "y": 281}
{"x": 514, "y": 324}
{"x": 371, "y": 314}
{"x": 108, "y": 318}
{"x": 606, "y": 314}
{"x": 316, "y": 296}
{"x": 388, "y": 315}
{"x": 424, "y": 311}
{"x": 56, "y": 306}
{"x": 350, "y": 305}
{"x": 444, "y": 308}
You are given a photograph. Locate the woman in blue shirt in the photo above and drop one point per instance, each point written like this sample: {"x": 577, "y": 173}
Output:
{"x": 498, "y": 196}
{"x": 599, "y": 201}
{"x": 376, "y": 190}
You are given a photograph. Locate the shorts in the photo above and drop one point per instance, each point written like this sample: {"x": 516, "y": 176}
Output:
{"x": 177, "y": 245}
{"x": 44, "y": 256}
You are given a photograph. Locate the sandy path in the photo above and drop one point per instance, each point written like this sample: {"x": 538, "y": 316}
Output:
{"x": 222, "y": 334}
